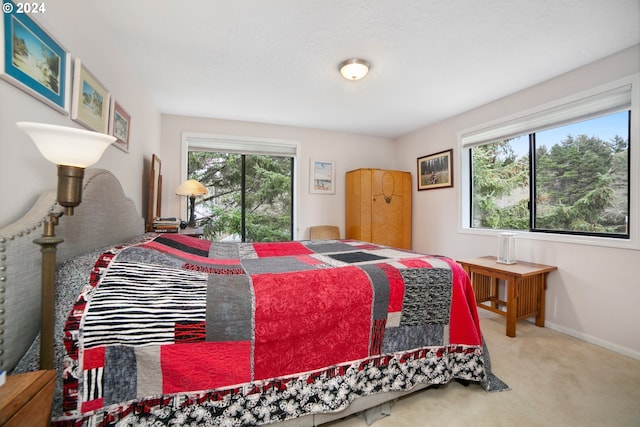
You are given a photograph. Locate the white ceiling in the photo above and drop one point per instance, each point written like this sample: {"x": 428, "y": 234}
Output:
{"x": 276, "y": 61}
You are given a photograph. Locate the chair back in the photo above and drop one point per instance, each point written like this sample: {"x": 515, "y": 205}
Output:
{"x": 321, "y": 232}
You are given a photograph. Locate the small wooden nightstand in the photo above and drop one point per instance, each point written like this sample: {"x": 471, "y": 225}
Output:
{"x": 526, "y": 283}
{"x": 26, "y": 399}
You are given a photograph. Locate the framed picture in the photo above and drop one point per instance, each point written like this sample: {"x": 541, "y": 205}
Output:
{"x": 90, "y": 106}
{"x": 32, "y": 60}
{"x": 119, "y": 123}
{"x": 323, "y": 177}
{"x": 435, "y": 170}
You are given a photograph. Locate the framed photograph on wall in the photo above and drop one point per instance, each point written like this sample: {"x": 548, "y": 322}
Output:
{"x": 33, "y": 60}
{"x": 323, "y": 177}
{"x": 119, "y": 124}
{"x": 90, "y": 106}
{"x": 435, "y": 170}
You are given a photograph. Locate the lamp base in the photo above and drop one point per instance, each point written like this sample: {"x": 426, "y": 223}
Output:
{"x": 192, "y": 215}
{"x": 48, "y": 246}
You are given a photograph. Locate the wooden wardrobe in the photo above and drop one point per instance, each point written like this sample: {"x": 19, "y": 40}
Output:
{"x": 378, "y": 207}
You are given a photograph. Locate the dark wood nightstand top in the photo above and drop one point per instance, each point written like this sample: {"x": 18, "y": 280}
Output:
{"x": 25, "y": 399}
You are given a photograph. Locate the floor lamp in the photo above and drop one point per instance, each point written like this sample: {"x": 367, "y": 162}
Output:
{"x": 72, "y": 150}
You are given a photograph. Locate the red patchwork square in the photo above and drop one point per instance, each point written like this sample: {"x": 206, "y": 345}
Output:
{"x": 416, "y": 263}
{"x": 204, "y": 366}
{"x": 310, "y": 319}
{"x": 280, "y": 249}
{"x": 309, "y": 260}
{"x": 93, "y": 358}
{"x": 396, "y": 287}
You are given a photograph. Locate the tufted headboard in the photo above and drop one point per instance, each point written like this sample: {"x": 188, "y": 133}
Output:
{"x": 105, "y": 217}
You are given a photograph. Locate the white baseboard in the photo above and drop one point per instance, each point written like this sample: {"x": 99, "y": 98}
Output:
{"x": 593, "y": 340}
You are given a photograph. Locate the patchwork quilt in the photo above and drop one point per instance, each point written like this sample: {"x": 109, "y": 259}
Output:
{"x": 179, "y": 328}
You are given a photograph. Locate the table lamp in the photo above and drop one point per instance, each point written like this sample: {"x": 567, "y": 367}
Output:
{"x": 191, "y": 188}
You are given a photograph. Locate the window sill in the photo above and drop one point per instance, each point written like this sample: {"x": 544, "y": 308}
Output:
{"x": 630, "y": 244}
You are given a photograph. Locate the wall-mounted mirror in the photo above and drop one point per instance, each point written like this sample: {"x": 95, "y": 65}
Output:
{"x": 155, "y": 191}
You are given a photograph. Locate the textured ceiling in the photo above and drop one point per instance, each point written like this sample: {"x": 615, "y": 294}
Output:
{"x": 276, "y": 61}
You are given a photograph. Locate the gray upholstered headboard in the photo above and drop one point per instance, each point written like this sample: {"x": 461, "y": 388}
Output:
{"x": 105, "y": 217}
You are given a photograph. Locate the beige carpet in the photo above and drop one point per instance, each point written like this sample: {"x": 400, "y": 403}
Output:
{"x": 555, "y": 380}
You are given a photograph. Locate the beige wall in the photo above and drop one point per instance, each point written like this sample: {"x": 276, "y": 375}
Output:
{"x": 349, "y": 151}
{"x": 595, "y": 292}
{"x": 24, "y": 173}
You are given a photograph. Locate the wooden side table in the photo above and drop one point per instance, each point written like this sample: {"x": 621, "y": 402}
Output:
{"x": 525, "y": 283}
{"x": 26, "y": 399}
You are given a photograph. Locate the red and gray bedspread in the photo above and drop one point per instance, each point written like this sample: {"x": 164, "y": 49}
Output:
{"x": 251, "y": 333}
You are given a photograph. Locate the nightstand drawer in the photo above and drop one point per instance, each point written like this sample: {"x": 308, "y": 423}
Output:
{"x": 25, "y": 399}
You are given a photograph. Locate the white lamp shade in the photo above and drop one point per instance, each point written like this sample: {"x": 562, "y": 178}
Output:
{"x": 354, "y": 69}
{"x": 191, "y": 188}
{"x": 67, "y": 146}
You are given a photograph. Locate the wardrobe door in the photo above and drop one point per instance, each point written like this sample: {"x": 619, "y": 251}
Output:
{"x": 358, "y": 226}
{"x": 390, "y": 203}
{"x": 378, "y": 207}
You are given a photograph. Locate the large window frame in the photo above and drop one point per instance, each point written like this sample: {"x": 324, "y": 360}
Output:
{"x": 243, "y": 145}
{"x": 581, "y": 106}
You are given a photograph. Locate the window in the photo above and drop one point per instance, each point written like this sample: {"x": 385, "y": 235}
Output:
{"x": 578, "y": 178}
{"x": 251, "y": 187}
{"x": 561, "y": 170}
{"x": 500, "y": 184}
{"x": 581, "y": 175}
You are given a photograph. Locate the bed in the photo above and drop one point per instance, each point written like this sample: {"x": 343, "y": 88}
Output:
{"x": 169, "y": 328}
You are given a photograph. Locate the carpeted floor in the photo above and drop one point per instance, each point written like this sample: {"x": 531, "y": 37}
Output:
{"x": 555, "y": 380}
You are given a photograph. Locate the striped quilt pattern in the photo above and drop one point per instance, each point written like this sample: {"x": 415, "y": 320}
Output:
{"x": 133, "y": 307}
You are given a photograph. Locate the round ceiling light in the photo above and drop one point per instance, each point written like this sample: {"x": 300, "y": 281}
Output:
{"x": 354, "y": 69}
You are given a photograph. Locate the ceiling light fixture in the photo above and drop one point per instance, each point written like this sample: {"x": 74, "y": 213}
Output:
{"x": 354, "y": 68}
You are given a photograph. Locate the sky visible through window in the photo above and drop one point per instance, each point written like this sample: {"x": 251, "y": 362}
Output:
{"x": 605, "y": 128}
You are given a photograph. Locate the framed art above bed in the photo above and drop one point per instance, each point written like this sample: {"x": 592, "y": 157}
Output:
{"x": 91, "y": 100}
{"x": 31, "y": 59}
{"x": 119, "y": 125}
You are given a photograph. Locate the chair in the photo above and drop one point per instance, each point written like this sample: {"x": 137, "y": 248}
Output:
{"x": 320, "y": 232}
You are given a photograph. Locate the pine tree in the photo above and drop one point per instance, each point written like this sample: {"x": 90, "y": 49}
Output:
{"x": 267, "y": 199}
{"x": 581, "y": 185}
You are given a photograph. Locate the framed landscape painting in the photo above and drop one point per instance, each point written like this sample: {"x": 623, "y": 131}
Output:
{"x": 32, "y": 60}
{"x": 435, "y": 170}
{"x": 119, "y": 124}
{"x": 323, "y": 177}
{"x": 90, "y": 106}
